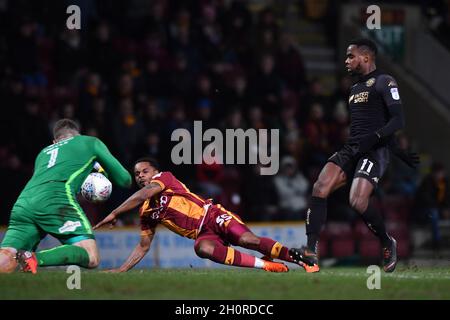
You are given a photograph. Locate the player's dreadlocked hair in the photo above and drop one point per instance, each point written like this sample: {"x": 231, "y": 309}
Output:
{"x": 153, "y": 162}
{"x": 65, "y": 126}
{"x": 366, "y": 44}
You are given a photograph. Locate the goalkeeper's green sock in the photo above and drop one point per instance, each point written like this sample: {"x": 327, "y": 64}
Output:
{"x": 63, "y": 255}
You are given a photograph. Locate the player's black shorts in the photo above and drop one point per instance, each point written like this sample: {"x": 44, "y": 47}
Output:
{"x": 370, "y": 165}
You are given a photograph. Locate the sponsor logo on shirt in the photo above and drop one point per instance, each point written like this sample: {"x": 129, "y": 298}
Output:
{"x": 361, "y": 97}
{"x": 69, "y": 226}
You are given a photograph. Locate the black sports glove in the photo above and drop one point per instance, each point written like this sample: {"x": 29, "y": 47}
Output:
{"x": 409, "y": 158}
{"x": 368, "y": 141}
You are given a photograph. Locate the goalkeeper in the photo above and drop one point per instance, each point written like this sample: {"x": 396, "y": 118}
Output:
{"x": 48, "y": 205}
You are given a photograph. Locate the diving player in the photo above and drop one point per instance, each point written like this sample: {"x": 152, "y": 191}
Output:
{"x": 166, "y": 200}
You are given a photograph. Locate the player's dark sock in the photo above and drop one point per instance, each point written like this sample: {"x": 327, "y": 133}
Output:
{"x": 375, "y": 223}
{"x": 63, "y": 255}
{"x": 230, "y": 256}
{"x": 315, "y": 219}
{"x": 274, "y": 249}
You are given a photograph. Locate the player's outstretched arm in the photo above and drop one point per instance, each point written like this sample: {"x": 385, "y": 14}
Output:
{"x": 132, "y": 202}
{"x": 138, "y": 253}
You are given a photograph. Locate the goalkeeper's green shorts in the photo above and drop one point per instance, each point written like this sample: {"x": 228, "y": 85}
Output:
{"x": 50, "y": 209}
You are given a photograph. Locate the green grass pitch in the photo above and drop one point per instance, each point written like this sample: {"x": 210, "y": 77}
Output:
{"x": 229, "y": 283}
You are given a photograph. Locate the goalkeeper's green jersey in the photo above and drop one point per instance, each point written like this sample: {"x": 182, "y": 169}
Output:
{"x": 71, "y": 160}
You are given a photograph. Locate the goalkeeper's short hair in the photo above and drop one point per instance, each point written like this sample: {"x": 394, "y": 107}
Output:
{"x": 65, "y": 126}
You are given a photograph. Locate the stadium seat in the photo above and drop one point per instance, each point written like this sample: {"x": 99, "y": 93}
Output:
{"x": 394, "y": 201}
{"x": 396, "y": 208}
{"x": 339, "y": 230}
{"x": 231, "y": 201}
{"x": 376, "y": 204}
{"x": 323, "y": 248}
{"x": 393, "y": 214}
{"x": 341, "y": 248}
{"x": 370, "y": 248}
{"x": 324, "y": 235}
{"x": 397, "y": 229}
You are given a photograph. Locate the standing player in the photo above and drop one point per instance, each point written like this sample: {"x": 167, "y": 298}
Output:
{"x": 376, "y": 114}
{"x": 48, "y": 205}
{"x": 166, "y": 200}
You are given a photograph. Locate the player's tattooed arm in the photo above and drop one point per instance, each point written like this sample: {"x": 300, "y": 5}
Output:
{"x": 132, "y": 202}
{"x": 138, "y": 198}
{"x": 138, "y": 253}
{"x": 151, "y": 189}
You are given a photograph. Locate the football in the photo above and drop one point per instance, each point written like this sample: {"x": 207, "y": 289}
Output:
{"x": 96, "y": 188}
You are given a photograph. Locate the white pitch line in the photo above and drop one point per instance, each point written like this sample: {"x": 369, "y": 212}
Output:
{"x": 395, "y": 276}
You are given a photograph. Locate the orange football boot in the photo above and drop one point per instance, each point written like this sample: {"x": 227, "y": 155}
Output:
{"x": 274, "y": 266}
{"x": 309, "y": 269}
{"x": 27, "y": 261}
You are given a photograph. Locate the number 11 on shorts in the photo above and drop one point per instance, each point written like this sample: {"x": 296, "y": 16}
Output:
{"x": 365, "y": 161}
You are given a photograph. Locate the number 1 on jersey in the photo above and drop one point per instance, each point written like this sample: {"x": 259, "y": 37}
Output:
{"x": 53, "y": 154}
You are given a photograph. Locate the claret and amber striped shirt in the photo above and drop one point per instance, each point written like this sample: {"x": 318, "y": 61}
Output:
{"x": 175, "y": 207}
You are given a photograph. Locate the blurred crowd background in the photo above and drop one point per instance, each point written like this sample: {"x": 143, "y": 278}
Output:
{"x": 137, "y": 70}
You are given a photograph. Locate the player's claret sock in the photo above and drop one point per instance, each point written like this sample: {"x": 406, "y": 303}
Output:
{"x": 274, "y": 249}
{"x": 230, "y": 256}
{"x": 316, "y": 217}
